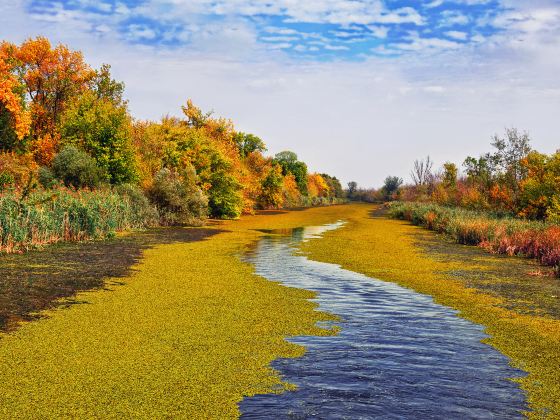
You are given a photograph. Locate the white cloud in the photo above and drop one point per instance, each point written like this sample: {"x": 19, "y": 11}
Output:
{"x": 461, "y": 36}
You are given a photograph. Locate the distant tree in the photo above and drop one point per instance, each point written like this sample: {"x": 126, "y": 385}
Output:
{"x": 422, "y": 173}
{"x": 507, "y": 159}
{"x": 334, "y": 186}
{"x": 248, "y": 143}
{"x": 449, "y": 176}
{"x": 352, "y": 188}
{"x": 291, "y": 165}
{"x": 391, "y": 186}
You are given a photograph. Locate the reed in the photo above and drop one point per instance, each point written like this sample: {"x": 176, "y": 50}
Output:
{"x": 501, "y": 235}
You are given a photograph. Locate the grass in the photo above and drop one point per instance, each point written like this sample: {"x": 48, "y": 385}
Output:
{"x": 188, "y": 334}
{"x": 509, "y": 236}
{"x": 396, "y": 251}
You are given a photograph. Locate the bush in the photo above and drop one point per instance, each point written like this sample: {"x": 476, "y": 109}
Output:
{"x": 76, "y": 168}
{"x": 143, "y": 213}
{"x": 503, "y": 235}
{"x": 47, "y": 179}
{"x": 177, "y": 198}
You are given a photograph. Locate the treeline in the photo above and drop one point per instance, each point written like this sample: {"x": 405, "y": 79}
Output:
{"x": 67, "y": 136}
{"x": 512, "y": 180}
{"x": 506, "y": 201}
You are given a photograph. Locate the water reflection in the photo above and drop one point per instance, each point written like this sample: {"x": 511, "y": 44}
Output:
{"x": 399, "y": 355}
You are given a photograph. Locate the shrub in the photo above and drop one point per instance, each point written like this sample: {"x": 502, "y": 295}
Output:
{"x": 504, "y": 235}
{"x": 177, "y": 198}
{"x": 76, "y": 168}
{"x": 47, "y": 179}
{"x": 143, "y": 213}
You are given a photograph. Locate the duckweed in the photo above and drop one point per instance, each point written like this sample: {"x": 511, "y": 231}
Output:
{"x": 189, "y": 333}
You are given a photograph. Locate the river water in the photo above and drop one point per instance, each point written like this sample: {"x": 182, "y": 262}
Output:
{"x": 399, "y": 355}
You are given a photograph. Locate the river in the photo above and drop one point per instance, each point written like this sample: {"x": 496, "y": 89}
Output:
{"x": 398, "y": 355}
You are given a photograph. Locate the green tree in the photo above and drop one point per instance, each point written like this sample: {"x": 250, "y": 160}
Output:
{"x": 291, "y": 165}
{"x": 102, "y": 128}
{"x": 75, "y": 168}
{"x": 391, "y": 186}
{"x": 248, "y": 143}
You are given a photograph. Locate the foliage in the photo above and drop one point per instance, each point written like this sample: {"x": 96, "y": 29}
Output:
{"x": 102, "y": 128}
{"x": 248, "y": 143}
{"x": 500, "y": 235}
{"x": 291, "y": 165}
{"x": 177, "y": 198}
{"x": 62, "y": 122}
{"x": 76, "y": 168}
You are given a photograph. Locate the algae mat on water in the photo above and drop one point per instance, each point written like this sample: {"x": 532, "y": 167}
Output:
{"x": 190, "y": 332}
{"x": 467, "y": 279}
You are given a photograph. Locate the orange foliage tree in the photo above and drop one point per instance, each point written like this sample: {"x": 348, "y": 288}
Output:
{"x": 50, "y": 77}
{"x": 14, "y": 118}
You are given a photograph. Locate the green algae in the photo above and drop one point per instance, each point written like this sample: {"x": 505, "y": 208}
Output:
{"x": 186, "y": 333}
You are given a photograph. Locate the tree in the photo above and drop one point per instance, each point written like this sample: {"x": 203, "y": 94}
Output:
{"x": 178, "y": 198}
{"x": 391, "y": 186}
{"x": 76, "y": 168}
{"x": 352, "y": 188}
{"x": 422, "y": 172}
{"x": 105, "y": 87}
{"x": 450, "y": 172}
{"x": 248, "y": 143}
{"x": 335, "y": 187}
{"x": 271, "y": 188}
{"x": 291, "y": 165}
{"x": 511, "y": 150}
{"x": 14, "y": 118}
{"x": 102, "y": 128}
{"x": 51, "y": 76}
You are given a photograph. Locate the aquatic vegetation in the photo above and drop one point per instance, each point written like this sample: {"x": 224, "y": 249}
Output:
{"x": 509, "y": 236}
{"x": 390, "y": 250}
{"x": 188, "y": 334}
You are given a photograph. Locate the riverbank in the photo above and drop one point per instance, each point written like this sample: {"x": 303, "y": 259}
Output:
{"x": 520, "y": 312}
{"x": 188, "y": 332}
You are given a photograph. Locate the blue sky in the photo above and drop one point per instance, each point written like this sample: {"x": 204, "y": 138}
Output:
{"x": 312, "y": 30}
{"x": 358, "y": 88}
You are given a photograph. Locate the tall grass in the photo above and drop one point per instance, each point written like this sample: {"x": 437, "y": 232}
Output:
{"x": 509, "y": 236}
{"x": 45, "y": 217}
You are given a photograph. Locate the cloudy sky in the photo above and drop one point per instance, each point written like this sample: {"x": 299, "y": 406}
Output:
{"x": 358, "y": 88}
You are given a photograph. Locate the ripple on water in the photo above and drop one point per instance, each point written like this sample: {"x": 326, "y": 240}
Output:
{"x": 398, "y": 355}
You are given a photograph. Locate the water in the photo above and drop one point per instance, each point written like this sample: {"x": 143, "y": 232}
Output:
{"x": 398, "y": 356}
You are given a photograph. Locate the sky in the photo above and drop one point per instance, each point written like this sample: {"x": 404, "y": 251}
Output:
{"x": 357, "y": 88}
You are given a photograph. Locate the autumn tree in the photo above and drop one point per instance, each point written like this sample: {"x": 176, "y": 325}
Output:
{"x": 14, "y": 118}
{"x": 50, "y": 77}
{"x": 291, "y": 165}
